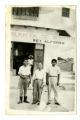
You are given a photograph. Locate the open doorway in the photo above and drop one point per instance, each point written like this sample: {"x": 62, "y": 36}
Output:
{"x": 21, "y": 51}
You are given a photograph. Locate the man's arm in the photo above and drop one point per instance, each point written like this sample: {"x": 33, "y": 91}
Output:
{"x": 20, "y": 72}
{"x": 33, "y": 78}
{"x": 44, "y": 77}
{"x": 59, "y": 73}
{"x": 58, "y": 80}
{"x": 30, "y": 78}
{"x": 47, "y": 79}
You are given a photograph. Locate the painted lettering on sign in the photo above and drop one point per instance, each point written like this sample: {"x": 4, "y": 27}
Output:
{"x": 48, "y": 41}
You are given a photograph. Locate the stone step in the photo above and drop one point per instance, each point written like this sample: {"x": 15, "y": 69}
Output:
{"x": 69, "y": 75}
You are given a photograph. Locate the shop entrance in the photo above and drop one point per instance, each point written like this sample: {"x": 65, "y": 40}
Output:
{"x": 21, "y": 51}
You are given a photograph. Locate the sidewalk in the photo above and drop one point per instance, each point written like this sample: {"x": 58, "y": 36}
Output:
{"x": 66, "y": 97}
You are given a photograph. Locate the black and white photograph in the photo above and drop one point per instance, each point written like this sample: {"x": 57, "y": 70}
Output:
{"x": 41, "y": 60}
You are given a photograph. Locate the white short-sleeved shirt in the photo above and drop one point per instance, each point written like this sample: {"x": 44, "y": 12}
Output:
{"x": 39, "y": 74}
{"x": 25, "y": 70}
{"x": 53, "y": 70}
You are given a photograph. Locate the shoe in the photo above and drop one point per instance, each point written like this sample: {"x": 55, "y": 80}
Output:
{"x": 20, "y": 100}
{"x": 26, "y": 102}
{"x": 25, "y": 99}
{"x": 57, "y": 103}
{"x": 48, "y": 103}
{"x": 38, "y": 103}
{"x": 34, "y": 102}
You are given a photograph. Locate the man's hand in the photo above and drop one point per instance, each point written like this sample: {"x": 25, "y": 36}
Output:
{"x": 57, "y": 83}
{"x": 23, "y": 76}
{"x": 29, "y": 83}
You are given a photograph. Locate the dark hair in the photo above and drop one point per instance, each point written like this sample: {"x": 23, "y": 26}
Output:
{"x": 54, "y": 60}
{"x": 30, "y": 56}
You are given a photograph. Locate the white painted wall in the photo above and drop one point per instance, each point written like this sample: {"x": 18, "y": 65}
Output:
{"x": 52, "y": 50}
{"x": 52, "y": 17}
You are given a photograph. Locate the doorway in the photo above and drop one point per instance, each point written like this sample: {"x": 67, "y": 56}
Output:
{"x": 21, "y": 51}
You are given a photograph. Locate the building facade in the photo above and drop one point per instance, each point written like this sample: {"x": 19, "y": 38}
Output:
{"x": 44, "y": 32}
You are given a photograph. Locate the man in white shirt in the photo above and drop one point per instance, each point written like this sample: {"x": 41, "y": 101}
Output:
{"x": 52, "y": 80}
{"x": 38, "y": 78}
{"x": 25, "y": 80}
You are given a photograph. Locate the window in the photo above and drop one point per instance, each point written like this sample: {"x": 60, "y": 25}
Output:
{"x": 26, "y": 11}
{"x": 63, "y": 33}
{"x": 66, "y": 12}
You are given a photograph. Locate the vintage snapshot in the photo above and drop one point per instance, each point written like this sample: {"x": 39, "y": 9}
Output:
{"x": 40, "y": 60}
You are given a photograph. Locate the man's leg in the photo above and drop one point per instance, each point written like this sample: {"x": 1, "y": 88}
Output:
{"x": 54, "y": 86}
{"x": 40, "y": 82}
{"x": 20, "y": 85}
{"x": 25, "y": 91}
{"x": 21, "y": 94}
{"x": 35, "y": 91}
{"x": 49, "y": 91}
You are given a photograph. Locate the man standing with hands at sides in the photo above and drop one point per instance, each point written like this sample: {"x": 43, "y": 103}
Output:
{"x": 38, "y": 79}
{"x": 25, "y": 80}
{"x": 52, "y": 80}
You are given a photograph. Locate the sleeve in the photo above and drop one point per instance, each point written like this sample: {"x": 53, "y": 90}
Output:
{"x": 58, "y": 70}
{"x": 20, "y": 71}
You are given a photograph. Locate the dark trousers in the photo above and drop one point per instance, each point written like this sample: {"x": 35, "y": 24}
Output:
{"x": 37, "y": 90}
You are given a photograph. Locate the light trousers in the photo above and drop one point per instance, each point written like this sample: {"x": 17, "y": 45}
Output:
{"x": 52, "y": 86}
{"x": 23, "y": 85}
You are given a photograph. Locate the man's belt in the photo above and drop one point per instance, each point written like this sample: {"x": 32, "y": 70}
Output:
{"x": 52, "y": 76}
{"x": 24, "y": 76}
{"x": 38, "y": 79}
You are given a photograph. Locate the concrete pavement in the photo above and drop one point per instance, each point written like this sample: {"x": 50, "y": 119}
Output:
{"x": 66, "y": 94}
{"x": 66, "y": 99}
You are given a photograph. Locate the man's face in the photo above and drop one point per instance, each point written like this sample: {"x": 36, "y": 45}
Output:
{"x": 25, "y": 62}
{"x": 40, "y": 66}
{"x": 53, "y": 63}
